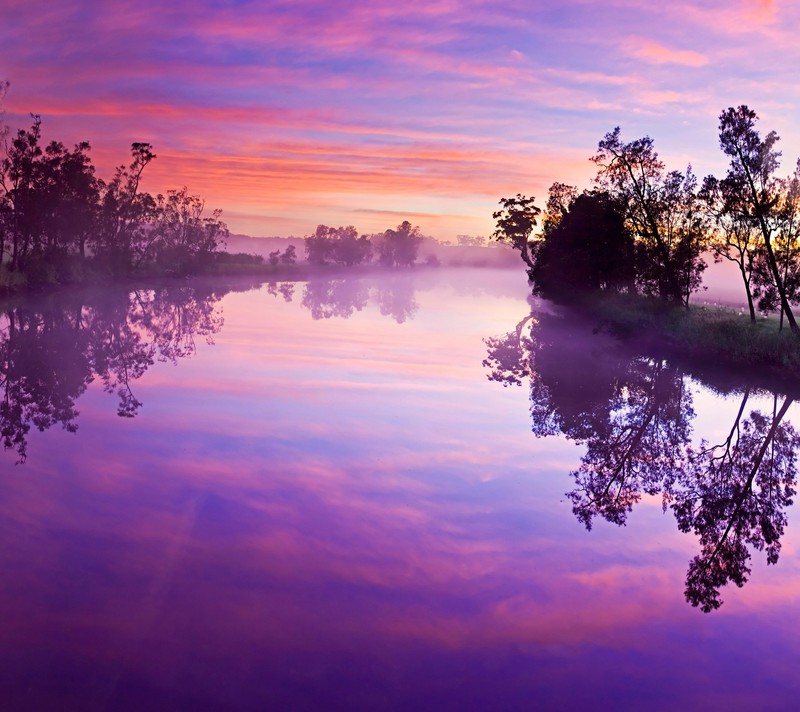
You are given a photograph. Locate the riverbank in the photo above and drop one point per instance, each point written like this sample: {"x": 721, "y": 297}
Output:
{"x": 703, "y": 335}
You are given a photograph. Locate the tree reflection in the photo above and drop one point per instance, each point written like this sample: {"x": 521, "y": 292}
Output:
{"x": 343, "y": 297}
{"x": 396, "y": 298}
{"x": 43, "y": 368}
{"x": 733, "y": 496}
{"x": 285, "y": 289}
{"x": 326, "y": 298}
{"x": 49, "y": 355}
{"x": 634, "y": 416}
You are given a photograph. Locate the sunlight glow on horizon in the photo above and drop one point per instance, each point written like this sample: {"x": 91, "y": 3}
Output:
{"x": 290, "y": 115}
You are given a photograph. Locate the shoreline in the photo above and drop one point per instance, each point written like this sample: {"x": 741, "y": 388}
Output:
{"x": 699, "y": 336}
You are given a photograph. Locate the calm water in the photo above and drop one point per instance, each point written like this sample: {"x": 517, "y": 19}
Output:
{"x": 394, "y": 493}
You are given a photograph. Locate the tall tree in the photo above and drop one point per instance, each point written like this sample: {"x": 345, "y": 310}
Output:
{"x": 785, "y": 248}
{"x": 18, "y": 173}
{"x": 125, "y": 209}
{"x": 180, "y": 236}
{"x": 734, "y": 237}
{"x": 661, "y": 211}
{"x": 754, "y": 161}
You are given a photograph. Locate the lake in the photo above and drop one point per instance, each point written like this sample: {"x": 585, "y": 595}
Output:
{"x": 419, "y": 490}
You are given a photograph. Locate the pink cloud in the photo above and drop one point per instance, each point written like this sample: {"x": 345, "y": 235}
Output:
{"x": 656, "y": 53}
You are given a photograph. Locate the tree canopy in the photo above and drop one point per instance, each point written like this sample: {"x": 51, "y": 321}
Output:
{"x": 646, "y": 229}
{"x": 59, "y": 220}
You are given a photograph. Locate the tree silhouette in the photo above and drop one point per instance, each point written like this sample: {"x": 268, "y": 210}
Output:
{"x": 398, "y": 247}
{"x": 754, "y": 186}
{"x": 662, "y": 212}
{"x": 515, "y": 223}
{"x": 589, "y": 248}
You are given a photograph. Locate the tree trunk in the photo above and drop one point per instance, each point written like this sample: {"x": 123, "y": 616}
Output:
{"x": 773, "y": 264}
{"x": 749, "y": 295}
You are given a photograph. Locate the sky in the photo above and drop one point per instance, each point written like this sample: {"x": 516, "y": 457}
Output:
{"x": 287, "y": 114}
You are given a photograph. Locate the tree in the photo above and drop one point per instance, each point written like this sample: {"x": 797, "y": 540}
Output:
{"x": 785, "y": 248}
{"x": 125, "y": 211}
{"x": 559, "y": 199}
{"x": 398, "y": 247}
{"x": 72, "y": 193}
{"x": 48, "y": 204}
{"x": 179, "y": 236}
{"x": 18, "y": 177}
{"x": 319, "y": 246}
{"x": 289, "y": 256}
{"x": 55, "y": 214}
{"x": 661, "y": 212}
{"x": 735, "y": 238}
{"x": 515, "y": 223}
{"x": 588, "y": 248}
{"x": 337, "y": 245}
{"x": 751, "y": 174}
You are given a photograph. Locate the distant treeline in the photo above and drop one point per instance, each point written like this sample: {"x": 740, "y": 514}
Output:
{"x": 396, "y": 247}
{"x": 61, "y": 223}
{"x": 644, "y": 229}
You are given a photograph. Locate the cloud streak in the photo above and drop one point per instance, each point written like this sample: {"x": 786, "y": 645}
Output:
{"x": 354, "y": 106}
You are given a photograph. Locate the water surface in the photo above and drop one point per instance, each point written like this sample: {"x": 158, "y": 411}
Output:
{"x": 320, "y": 496}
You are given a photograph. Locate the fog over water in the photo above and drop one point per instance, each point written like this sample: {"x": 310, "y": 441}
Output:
{"x": 373, "y": 492}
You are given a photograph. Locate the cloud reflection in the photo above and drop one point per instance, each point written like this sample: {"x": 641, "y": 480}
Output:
{"x": 265, "y": 541}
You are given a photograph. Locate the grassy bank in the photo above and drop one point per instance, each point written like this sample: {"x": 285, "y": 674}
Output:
{"x": 705, "y": 335}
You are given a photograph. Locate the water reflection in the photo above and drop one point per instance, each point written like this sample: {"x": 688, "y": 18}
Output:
{"x": 341, "y": 297}
{"x": 49, "y": 353}
{"x": 634, "y": 416}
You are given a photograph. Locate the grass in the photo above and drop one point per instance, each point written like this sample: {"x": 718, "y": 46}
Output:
{"x": 703, "y": 334}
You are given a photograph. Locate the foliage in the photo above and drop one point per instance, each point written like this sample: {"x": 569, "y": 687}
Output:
{"x": 589, "y": 248}
{"x": 59, "y": 223}
{"x": 750, "y": 217}
{"x": 755, "y": 195}
{"x": 337, "y": 245}
{"x": 398, "y": 247}
{"x": 515, "y": 223}
{"x": 661, "y": 210}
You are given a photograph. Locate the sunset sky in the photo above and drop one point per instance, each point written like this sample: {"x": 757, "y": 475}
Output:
{"x": 289, "y": 114}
